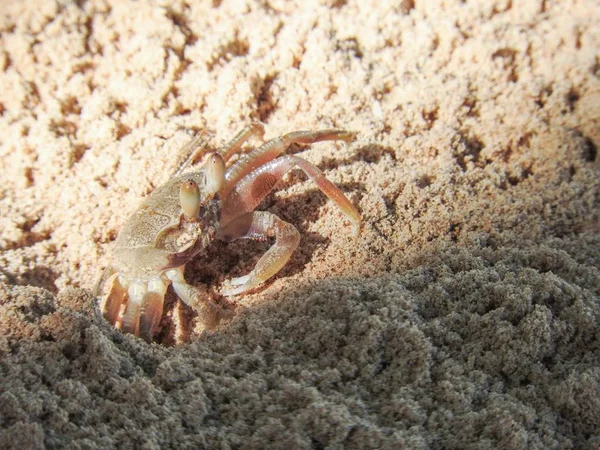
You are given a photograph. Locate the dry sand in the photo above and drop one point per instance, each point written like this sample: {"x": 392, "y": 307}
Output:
{"x": 465, "y": 316}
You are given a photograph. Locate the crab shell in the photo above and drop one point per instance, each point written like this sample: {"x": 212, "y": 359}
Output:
{"x": 157, "y": 237}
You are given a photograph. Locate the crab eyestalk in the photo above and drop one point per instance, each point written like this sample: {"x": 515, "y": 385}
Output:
{"x": 214, "y": 173}
{"x": 189, "y": 198}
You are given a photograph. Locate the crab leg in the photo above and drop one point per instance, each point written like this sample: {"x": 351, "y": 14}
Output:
{"x": 251, "y": 130}
{"x": 238, "y": 220}
{"x": 210, "y": 313}
{"x": 198, "y": 145}
{"x": 261, "y": 225}
{"x": 192, "y": 150}
{"x": 111, "y": 306}
{"x": 251, "y": 190}
{"x": 131, "y": 316}
{"x": 273, "y": 148}
{"x": 152, "y": 308}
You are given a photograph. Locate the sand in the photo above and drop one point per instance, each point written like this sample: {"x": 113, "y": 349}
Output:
{"x": 466, "y": 315}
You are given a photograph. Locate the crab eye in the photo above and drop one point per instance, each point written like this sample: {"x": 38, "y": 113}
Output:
{"x": 189, "y": 198}
{"x": 214, "y": 177}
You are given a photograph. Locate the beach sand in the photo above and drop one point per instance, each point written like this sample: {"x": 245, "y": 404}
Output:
{"x": 466, "y": 314}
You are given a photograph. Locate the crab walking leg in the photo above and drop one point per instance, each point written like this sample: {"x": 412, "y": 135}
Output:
{"x": 198, "y": 145}
{"x": 152, "y": 308}
{"x": 251, "y": 130}
{"x": 131, "y": 316}
{"x": 193, "y": 149}
{"x": 252, "y": 189}
{"x": 111, "y": 306}
{"x": 210, "y": 313}
{"x": 273, "y": 148}
{"x": 261, "y": 225}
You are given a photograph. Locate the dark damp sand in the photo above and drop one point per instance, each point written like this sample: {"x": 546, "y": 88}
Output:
{"x": 465, "y": 316}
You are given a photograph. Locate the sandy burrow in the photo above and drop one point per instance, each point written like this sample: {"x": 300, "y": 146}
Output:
{"x": 464, "y": 316}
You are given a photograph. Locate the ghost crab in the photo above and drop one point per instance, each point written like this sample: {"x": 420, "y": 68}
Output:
{"x": 181, "y": 218}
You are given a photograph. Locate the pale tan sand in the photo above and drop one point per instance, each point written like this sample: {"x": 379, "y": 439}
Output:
{"x": 467, "y": 313}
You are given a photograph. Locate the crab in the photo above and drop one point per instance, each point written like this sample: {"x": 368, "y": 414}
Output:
{"x": 181, "y": 219}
